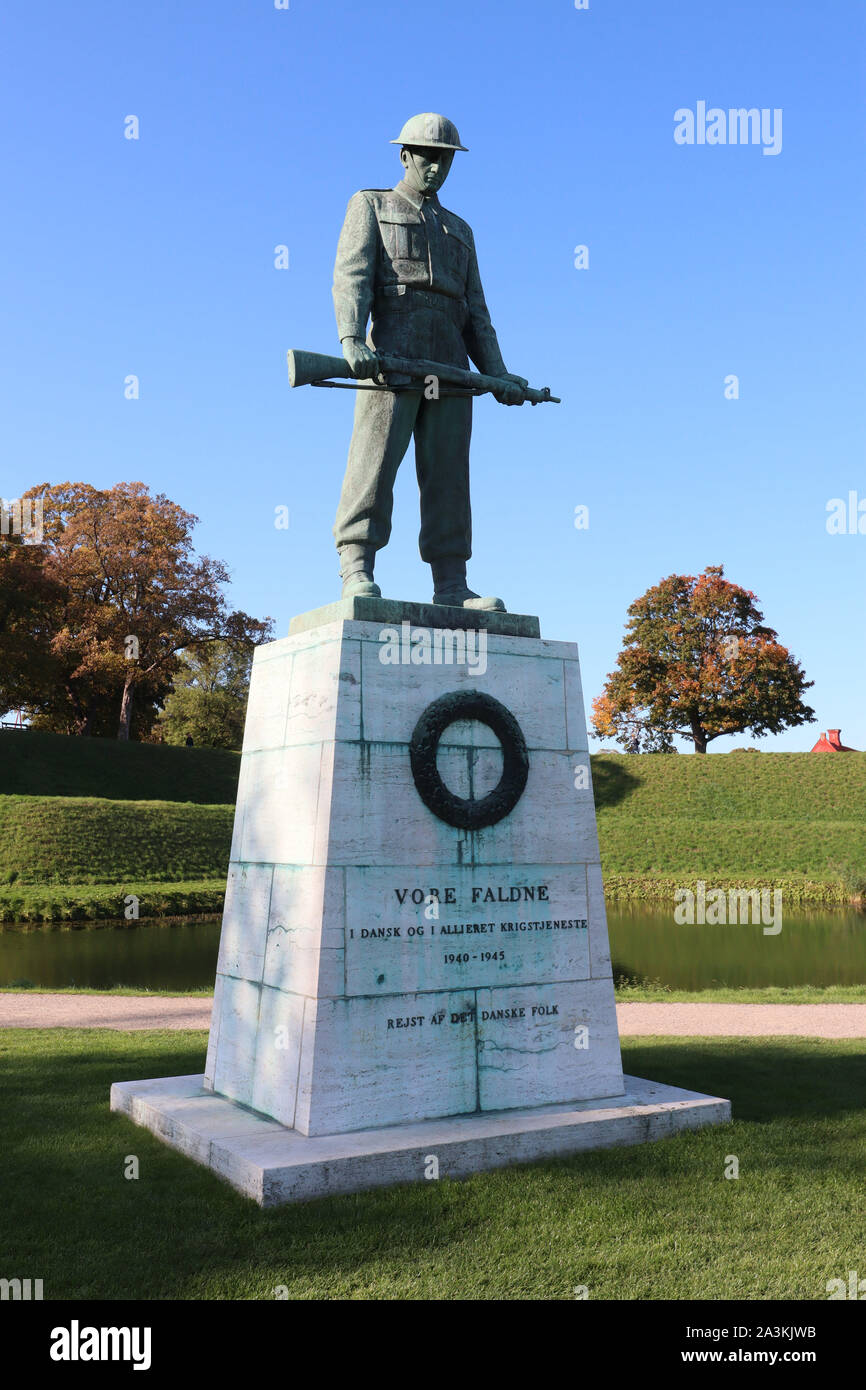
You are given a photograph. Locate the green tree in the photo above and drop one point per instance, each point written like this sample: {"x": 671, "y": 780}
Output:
{"x": 209, "y": 697}
{"x": 698, "y": 662}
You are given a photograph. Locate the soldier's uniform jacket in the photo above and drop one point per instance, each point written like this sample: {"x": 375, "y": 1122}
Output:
{"x": 400, "y": 256}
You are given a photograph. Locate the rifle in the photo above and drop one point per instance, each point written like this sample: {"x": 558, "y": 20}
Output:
{"x": 315, "y": 369}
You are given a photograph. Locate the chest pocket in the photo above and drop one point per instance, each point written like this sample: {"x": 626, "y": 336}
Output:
{"x": 403, "y": 236}
{"x": 457, "y": 251}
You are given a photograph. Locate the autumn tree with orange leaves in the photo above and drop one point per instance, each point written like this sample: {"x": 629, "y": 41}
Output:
{"x": 124, "y": 594}
{"x": 698, "y": 662}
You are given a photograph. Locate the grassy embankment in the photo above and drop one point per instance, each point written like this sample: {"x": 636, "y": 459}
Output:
{"x": 661, "y": 1222}
{"x": 52, "y": 765}
{"x": 86, "y": 822}
{"x": 795, "y": 821}
{"x": 68, "y": 858}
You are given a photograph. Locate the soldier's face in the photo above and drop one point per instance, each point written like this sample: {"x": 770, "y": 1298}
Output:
{"x": 426, "y": 169}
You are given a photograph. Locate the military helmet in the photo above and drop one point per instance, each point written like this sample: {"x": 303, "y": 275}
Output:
{"x": 430, "y": 131}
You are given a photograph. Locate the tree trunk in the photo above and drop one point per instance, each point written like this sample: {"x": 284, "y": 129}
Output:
{"x": 126, "y": 710}
{"x": 81, "y": 717}
{"x": 699, "y": 737}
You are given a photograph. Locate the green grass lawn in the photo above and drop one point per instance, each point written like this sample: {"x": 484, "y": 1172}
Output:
{"x": 123, "y": 991}
{"x": 138, "y": 816}
{"x": 723, "y": 994}
{"x": 625, "y": 994}
{"x": 791, "y": 820}
{"x": 105, "y": 902}
{"x": 651, "y": 1222}
{"x": 57, "y": 840}
{"x": 733, "y": 786}
{"x": 34, "y": 764}
{"x": 68, "y": 858}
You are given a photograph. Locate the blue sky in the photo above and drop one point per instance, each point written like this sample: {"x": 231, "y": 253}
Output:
{"x": 155, "y": 257}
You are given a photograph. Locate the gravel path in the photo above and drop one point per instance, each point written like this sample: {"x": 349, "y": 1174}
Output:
{"x": 31, "y": 1010}
{"x": 743, "y": 1020}
{"x": 128, "y": 1012}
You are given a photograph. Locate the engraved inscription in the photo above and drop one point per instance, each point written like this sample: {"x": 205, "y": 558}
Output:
{"x": 468, "y": 930}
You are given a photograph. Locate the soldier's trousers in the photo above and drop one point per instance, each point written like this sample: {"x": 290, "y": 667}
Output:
{"x": 385, "y": 422}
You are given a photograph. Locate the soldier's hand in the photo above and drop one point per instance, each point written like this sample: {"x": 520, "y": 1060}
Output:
{"x": 361, "y": 359}
{"x": 512, "y": 394}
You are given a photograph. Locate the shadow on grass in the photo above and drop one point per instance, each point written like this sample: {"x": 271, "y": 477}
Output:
{"x": 179, "y": 1232}
{"x": 764, "y": 1078}
{"x": 611, "y": 781}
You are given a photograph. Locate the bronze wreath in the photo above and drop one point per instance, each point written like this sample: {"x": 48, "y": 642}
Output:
{"x": 465, "y": 812}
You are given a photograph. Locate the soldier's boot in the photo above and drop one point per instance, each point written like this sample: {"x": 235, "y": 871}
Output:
{"x": 449, "y": 584}
{"x": 356, "y": 570}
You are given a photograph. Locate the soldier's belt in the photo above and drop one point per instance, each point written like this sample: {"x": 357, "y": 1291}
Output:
{"x": 400, "y": 298}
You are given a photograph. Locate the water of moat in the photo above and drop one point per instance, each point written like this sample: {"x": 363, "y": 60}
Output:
{"x": 813, "y": 948}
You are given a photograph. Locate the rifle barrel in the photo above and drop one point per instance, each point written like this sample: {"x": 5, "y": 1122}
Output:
{"x": 307, "y": 367}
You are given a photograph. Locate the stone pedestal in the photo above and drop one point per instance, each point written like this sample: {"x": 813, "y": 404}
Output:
{"x": 414, "y": 926}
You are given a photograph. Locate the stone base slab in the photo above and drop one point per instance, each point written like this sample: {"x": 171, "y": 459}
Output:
{"x": 274, "y": 1165}
{"x": 391, "y": 612}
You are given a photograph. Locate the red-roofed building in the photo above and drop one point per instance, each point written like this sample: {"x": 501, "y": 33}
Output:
{"x": 831, "y": 743}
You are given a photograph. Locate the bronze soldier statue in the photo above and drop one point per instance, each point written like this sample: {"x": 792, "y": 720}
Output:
{"x": 409, "y": 264}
